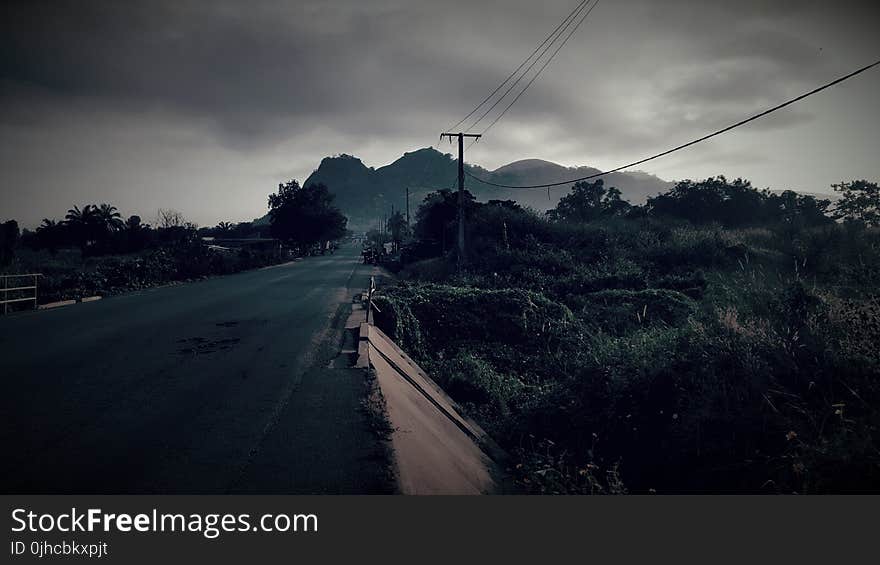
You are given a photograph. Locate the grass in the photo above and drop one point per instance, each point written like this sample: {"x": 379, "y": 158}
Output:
{"x": 653, "y": 356}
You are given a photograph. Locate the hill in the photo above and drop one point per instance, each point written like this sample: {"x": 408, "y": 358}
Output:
{"x": 365, "y": 194}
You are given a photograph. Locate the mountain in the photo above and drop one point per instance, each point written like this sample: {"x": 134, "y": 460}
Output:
{"x": 366, "y": 194}
{"x": 635, "y": 186}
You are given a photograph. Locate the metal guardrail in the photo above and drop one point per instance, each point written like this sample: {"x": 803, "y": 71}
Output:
{"x": 7, "y": 289}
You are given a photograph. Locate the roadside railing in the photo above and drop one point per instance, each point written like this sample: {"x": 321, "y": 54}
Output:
{"x": 18, "y": 285}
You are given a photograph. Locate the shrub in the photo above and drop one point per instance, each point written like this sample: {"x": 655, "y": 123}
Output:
{"x": 439, "y": 314}
{"x": 619, "y": 311}
{"x": 647, "y": 352}
{"x": 471, "y": 379}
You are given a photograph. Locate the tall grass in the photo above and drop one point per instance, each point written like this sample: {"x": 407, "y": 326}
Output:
{"x": 675, "y": 358}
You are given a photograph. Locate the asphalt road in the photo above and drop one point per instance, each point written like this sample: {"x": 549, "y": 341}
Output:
{"x": 209, "y": 387}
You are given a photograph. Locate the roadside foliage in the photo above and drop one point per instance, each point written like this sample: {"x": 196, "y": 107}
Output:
{"x": 719, "y": 338}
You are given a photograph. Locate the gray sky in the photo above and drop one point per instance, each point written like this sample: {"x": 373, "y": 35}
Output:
{"x": 206, "y": 106}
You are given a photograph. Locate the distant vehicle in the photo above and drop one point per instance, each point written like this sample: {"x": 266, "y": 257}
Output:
{"x": 370, "y": 256}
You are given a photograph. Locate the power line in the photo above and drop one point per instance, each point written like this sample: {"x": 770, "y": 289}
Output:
{"x": 521, "y": 65}
{"x": 540, "y": 70}
{"x": 567, "y": 22}
{"x": 694, "y": 142}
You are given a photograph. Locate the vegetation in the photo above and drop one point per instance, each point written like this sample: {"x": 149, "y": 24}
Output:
{"x": 9, "y": 236}
{"x": 720, "y": 338}
{"x": 589, "y": 201}
{"x": 305, "y": 216}
{"x": 860, "y": 202}
{"x": 94, "y": 251}
{"x": 397, "y": 228}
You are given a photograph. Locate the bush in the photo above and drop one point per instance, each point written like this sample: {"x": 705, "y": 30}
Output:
{"x": 471, "y": 379}
{"x": 648, "y": 352}
{"x": 431, "y": 315}
{"x": 69, "y": 276}
{"x": 621, "y": 311}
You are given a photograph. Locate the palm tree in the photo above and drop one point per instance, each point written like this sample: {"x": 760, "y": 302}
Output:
{"x": 75, "y": 216}
{"x": 47, "y": 225}
{"x": 108, "y": 218}
{"x": 48, "y": 235}
{"x": 80, "y": 223}
{"x": 93, "y": 224}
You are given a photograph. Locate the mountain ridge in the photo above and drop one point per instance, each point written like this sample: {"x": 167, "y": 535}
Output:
{"x": 365, "y": 194}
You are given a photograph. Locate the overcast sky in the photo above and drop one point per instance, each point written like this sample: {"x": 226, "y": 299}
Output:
{"x": 206, "y": 106}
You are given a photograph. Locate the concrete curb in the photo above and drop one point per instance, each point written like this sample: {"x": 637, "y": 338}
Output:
{"x": 61, "y": 303}
{"x": 58, "y": 304}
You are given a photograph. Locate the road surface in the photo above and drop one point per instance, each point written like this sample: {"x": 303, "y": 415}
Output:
{"x": 210, "y": 387}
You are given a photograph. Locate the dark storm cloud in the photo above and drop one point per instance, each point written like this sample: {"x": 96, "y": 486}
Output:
{"x": 264, "y": 60}
{"x": 251, "y": 69}
{"x": 241, "y": 71}
{"x": 381, "y": 77}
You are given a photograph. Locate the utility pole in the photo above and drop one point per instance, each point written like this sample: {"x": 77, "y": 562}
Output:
{"x": 460, "y": 136}
{"x": 407, "y": 207}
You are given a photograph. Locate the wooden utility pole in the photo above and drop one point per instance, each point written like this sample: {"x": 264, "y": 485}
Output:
{"x": 461, "y": 248}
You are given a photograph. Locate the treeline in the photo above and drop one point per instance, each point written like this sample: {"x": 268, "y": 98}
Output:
{"x": 735, "y": 204}
{"x": 94, "y": 250}
{"x": 718, "y": 338}
{"x": 99, "y": 229}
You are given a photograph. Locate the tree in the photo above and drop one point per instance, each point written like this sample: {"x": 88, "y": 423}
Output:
{"x": 108, "y": 218}
{"x": 9, "y": 235}
{"x": 796, "y": 211}
{"x": 437, "y": 216}
{"x": 50, "y": 235}
{"x": 81, "y": 226}
{"x": 376, "y": 238}
{"x": 92, "y": 227}
{"x": 243, "y": 230}
{"x": 137, "y": 234}
{"x": 397, "y": 228}
{"x": 167, "y": 218}
{"x": 860, "y": 202}
{"x": 731, "y": 204}
{"x": 589, "y": 201}
{"x": 305, "y": 216}
{"x": 173, "y": 228}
